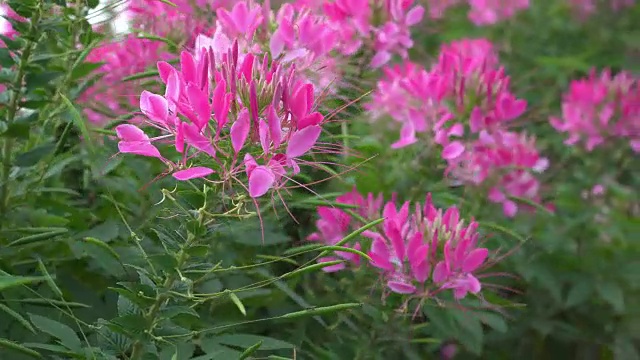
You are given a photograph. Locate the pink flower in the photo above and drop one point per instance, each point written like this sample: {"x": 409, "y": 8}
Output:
{"x": 599, "y": 109}
{"x": 242, "y": 20}
{"x": 243, "y": 113}
{"x": 489, "y": 12}
{"x": 481, "y": 12}
{"x": 504, "y": 161}
{"x": 6, "y": 28}
{"x": 334, "y": 224}
{"x": 418, "y": 249}
{"x": 112, "y": 95}
{"x": 407, "y": 251}
{"x": 463, "y": 104}
{"x": 585, "y": 8}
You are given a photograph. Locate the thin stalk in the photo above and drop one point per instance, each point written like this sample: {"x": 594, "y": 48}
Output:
{"x": 163, "y": 295}
{"x": 16, "y": 95}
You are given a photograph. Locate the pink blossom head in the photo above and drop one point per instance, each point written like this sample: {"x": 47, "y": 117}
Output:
{"x": 599, "y": 109}
{"x": 427, "y": 250}
{"x": 231, "y": 115}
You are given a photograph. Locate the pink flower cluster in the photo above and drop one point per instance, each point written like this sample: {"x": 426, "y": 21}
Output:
{"x": 586, "y": 8}
{"x": 240, "y": 114}
{"x": 111, "y": 94}
{"x": 464, "y": 105}
{"x": 314, "y": 37}
{"x": 382, "y": 25}
{"x": 6, "y": 29}
{"x": 600, "y": 109}
{"x": 481, "y": 12}
{"x": 134, "y": 54}
{"x": 180, "y": 22}
{"x": 418, "y": 249}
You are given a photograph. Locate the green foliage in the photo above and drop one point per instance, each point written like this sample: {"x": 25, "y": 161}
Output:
{"x": 93, "y": 268}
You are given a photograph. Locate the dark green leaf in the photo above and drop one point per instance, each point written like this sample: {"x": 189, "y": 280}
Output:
{"x": 33, "y": 156}
{"x": 579, "y": 293}
{"x": 245, "y": 341}
{"x": 19, "y": 318}
{"x": 9, "y": 281}
{"x": 58, "y": 330}
{"x": 6, "y": 60}
{"x": 612, "y": 294}
{"x": 84, "y": 69}
{"x": 8, "y": 344}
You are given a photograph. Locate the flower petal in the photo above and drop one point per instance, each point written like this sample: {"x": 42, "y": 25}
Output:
{"x": 453, "y": 150}
{"x": 260, "y": 181}
{"x": 303, "y": 140}
{"x": 474, "y": 259}
{"x": 192, "y": 173}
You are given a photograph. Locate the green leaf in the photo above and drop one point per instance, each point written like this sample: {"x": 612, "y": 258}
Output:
{"x": 133, "y": 323}
{"x": 493, "y": 320}
{"x": 58, "y": 330}
{"x": 320, "y": 310}
{"x": 126, "y": 306}
{"x": 33, "y": 156}
{"x": 624, "y": 349}
{"x": 38, "y": 80}
{"x": 84, "y": 69}
{"x": 246, "y": 341}
{"x": 245, "y": 354}
{"x": 9, "y": 281}
{"x": 471, "y": 335}
{"x": 18, "y": 129}
{"x": 93, "y": 3}
{"x": 19, "y": 318}
{"x": 217, "y": 351}
{"x": 167, "y": 2}
{"x": 238, "y": 303}
{"x": 50, "y": 281}
{"x": 6, "y": 60}
{"x": 8, "y": 344}
{"x": 142, "y": 75}
{"x": 612, "y": 294}
{"x": 31, "y": 239}
{"x": 78, "y": 120}
{"x": 579, "y": 293}
{"x": 50, "y": 303}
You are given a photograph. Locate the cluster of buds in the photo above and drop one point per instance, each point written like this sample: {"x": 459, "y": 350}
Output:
{"x": 463, "y": 104}
{"x": 423, "y": 252}
{"x": 240, "y": 114}
{"x": 600, "y": 109}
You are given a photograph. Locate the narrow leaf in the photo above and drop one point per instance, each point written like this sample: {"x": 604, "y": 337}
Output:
{"x": 19, "y": 318}
{"x": 245, "y": 354}
{"x": 58, "y": 330}
{"x": 31, "y": 239}
{"x": 321, "y": 310}
{"x": 238, "y": 303}
{"x": 78, "y": 121}
{"x": 8, "y": 281}
{"x": 8, "y": 344}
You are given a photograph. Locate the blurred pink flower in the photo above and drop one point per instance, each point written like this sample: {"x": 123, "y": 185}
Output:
{"x": 600, "y": 109}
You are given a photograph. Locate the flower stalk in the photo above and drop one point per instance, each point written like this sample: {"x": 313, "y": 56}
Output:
{"x": 16, "y": 94}
{"x": 163, "y": 295}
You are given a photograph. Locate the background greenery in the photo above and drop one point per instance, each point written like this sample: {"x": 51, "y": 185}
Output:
{"x": 85, "y": 248}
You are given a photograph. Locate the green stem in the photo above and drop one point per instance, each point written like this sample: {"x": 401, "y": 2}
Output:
{"x": 16, "y": 95}
{"x": 163, "y": 295}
